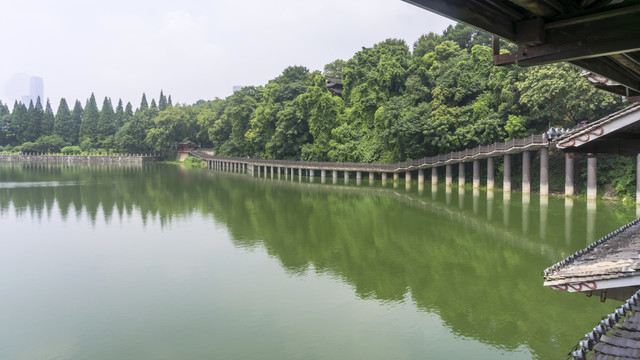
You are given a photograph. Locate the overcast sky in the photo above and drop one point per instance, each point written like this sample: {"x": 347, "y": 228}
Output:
{"x": 191, "y": 49}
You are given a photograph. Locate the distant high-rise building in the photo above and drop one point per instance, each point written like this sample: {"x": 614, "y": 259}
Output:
{"x": 36, "y": 89}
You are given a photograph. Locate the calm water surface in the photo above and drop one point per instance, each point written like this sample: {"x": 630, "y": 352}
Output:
{"x": 160, "y": 262}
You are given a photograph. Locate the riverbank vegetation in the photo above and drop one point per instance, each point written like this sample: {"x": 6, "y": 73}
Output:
{"x": 398, "y": 103}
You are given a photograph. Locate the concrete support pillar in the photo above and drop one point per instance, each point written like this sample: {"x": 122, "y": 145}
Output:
{"x": 300, "y": 172}
{"x": 396, "y": 176}
{"x": 638, "y": 179}
{"x": 335, "y": 174}
{"x": 271, "y": 171}
{"x": 544, "y": 171}
{"x": 258, "y": 170}
{"x": 526, "y": 172}
{"x": 461, "y": 175}
{"x": 420, "y": 176}
{"x": 476, "y": 174}
{"x": 490, "y": 174}
{"x": 311, "y": 174}
{"x": 592, "y": 164}
{"x": 434, "y": 176}
{"x": 448, "y": 177}
{"x": 358, "y": 175}
{"x": 346, "y": 176}
{"x": 506, "y": 181}
{"x": 371, "y": 177}
{"x": 407, "y": 177}
{"x": 383, "y": 176}
{"x": 323, "y": 174}
{"x": 568, "y": 175}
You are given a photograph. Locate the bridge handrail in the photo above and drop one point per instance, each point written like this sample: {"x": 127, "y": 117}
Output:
{"x": 440, "y": 159}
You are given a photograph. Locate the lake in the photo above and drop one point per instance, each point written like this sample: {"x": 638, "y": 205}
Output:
{"x": 163, "y": 262}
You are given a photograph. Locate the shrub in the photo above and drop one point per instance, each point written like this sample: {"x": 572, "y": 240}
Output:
{"x": 50, "y": 143}
{"x": 71, "y": 150}
{"x": 28, "y": 147}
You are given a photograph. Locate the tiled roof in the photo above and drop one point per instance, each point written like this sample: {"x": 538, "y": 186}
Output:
{"x": 615, "y": 256}
{"x": 578, "y": 130}
{"x": 611, "y": 339}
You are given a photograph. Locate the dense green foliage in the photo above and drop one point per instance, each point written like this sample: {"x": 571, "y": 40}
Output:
{"x": 397, "y": 104}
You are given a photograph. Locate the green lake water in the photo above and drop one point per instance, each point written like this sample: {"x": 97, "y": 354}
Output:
{"x": 162, "y": 262}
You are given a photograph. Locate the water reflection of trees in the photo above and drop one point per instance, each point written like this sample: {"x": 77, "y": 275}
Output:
{"x": 481, "y": 276}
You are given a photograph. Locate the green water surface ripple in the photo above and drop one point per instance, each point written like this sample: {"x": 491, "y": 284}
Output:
{"x": 161, "y": 262}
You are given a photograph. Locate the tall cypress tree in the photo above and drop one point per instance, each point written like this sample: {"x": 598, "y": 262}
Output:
{"x": 153, "y": 104}
{"x": 5, "y": 123}
{"x": 106, "y": 120}
{"x": 119, "y": 116}
{"x": 34, "y": 121}
{"x": 162, "y": 101}
{"x": 47, "y": 121}
{"x": 169, "y": 104}
{"x": 143, "y": 103}
{"x": 19, "y": 121}
{"x": 4, "y": 109}
{"x": 76, "y": 121}
{"x": 128, "y": 113}
{"x": 89, "y": 125}
{"x": 63, "y": 125}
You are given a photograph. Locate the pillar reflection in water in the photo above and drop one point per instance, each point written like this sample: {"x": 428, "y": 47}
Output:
{"x": 447, "y": 191}
{"x": 420, "y": 188}
{"x": 506, "y": 200}
{"x": 544, "y": 206}
{"x": 526, "y": 200}
{"x": 434, "y": 192}
{"x": 568, "y": 218}
{"x": 490, "y": 205}
{"x": 461, "y": 198}
{"x": 407, "y": 186}
{"x": 476, "y": 200}
{"x": 591, "y": 221}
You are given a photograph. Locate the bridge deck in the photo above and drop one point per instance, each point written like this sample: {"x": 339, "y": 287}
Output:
{"x": 533, "y": 142}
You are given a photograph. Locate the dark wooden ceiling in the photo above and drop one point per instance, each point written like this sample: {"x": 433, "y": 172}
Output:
{"x": 600, "y": 36}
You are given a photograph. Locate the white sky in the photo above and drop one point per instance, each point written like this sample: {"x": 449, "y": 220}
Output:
{"x": 191, "y": 49}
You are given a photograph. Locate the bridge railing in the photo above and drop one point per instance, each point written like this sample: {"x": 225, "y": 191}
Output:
{"x": 533, "y": 141}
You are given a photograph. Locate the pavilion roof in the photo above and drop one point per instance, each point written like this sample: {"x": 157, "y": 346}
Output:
{"x": 617, "y": 133}
{"x": 611, "y": 262}
{"x": 600, "y": 36}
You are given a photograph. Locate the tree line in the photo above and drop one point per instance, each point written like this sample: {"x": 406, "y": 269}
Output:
{"x": 442, "y": 95}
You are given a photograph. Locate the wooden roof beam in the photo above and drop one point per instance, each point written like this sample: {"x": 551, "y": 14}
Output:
{"x": 540, "y": 8}
{"x": 582, "y": 41}
{"x": 491, "y": 19}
